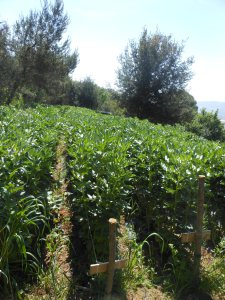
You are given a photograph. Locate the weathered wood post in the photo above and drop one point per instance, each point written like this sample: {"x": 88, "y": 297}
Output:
{"x": 112, "y": 264}
{"x": 112, "y": 256}
{"x": 199, "y": 224}
{"x": 199, "y": 235}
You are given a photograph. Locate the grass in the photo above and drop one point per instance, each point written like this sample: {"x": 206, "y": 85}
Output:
{"x": 213, "y": 273}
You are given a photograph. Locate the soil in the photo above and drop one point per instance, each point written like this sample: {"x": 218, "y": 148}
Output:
{"x": 146, "y": 294}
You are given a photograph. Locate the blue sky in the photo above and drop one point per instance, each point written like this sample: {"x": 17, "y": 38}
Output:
{"x": 100, "y": 30}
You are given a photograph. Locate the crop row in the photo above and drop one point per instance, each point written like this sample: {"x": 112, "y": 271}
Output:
{"x": 27, "y": 154}
{"x": 146, "y": 172}
{"x": 115, "y": 166}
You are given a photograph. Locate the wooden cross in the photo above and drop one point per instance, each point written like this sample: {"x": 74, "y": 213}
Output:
{"x": 200, "y": 235}
{"x": 112, "y": 264}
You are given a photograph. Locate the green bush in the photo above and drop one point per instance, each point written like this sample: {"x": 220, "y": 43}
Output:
{"x": 109, "y": 101}
{"x": 208, "y": 125}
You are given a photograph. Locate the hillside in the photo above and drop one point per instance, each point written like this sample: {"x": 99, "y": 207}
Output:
{"x": 65, "y": 171}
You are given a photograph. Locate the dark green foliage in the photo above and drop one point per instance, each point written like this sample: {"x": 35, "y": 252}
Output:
{"x": 208, "y": 125}
{"x": 7, "y": 66}
{"x": 152, "y": 79}
{"x": 41, "y": 55}
{"x": 4, "y": 55}
{"x": 179, "y": 107}
{"x": 86, "y": 94}
{"x": 109, "y": 101}
{"x": 70, "y": 92}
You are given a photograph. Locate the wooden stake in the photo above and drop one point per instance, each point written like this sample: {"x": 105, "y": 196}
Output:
{"x": 199, "y": 235}
{"x": 112, "y": 255}
{"x": 190, "y": 237}
{"x": 200, "y": 212}
{"x": 112, "y": 264}
{"x": 103, "y": 267}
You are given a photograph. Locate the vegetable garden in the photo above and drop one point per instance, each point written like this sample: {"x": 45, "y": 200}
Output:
{"x": 115, "y": 167}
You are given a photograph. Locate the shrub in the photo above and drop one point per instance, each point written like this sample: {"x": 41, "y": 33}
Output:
{"x": 208, "y": 125}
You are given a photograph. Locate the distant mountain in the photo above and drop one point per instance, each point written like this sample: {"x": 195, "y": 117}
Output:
{"x": 213, "y": 106}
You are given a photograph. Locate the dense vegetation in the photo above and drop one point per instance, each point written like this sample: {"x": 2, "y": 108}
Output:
{"x": 208, "y": 125}
{"x": 152, "y": 78}
{"x": 115, "y": 166}
{"x": 27, "y": 158}
{"x": 37, "y": 62}
{"x": 213, "y": 106}
{"x": 35, "y": 55}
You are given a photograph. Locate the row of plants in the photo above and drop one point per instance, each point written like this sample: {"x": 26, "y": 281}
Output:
{"x": 149, "y": 173}
{"x": 27, "y": 151}
{"x": 116, "y": 166}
